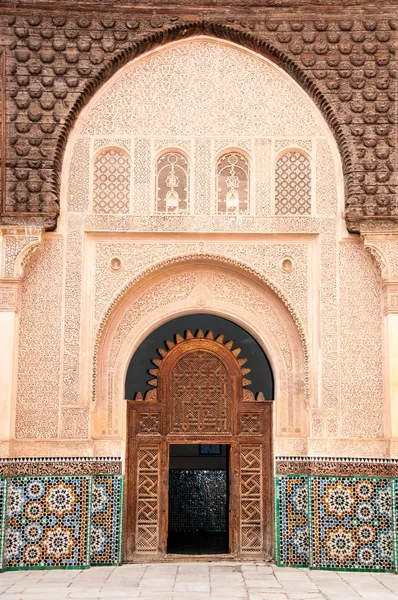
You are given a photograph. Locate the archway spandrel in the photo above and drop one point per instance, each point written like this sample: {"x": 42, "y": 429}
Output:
{"x": 234, "y": 296}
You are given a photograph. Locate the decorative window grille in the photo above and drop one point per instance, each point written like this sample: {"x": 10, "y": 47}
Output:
{"x": 111, "y": 190}
{"x": 293, "y": 184}
{"x": 232, "y": 184}
{"x": 172, "y": 184}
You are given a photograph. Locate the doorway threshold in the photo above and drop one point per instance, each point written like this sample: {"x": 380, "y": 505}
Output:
{"x": 201, "y": 557}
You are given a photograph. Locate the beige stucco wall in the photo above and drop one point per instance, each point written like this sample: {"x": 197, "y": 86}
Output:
{"x": 318, "y": 315}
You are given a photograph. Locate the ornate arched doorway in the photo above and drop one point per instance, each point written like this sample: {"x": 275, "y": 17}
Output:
{"x": 199, "y": 396}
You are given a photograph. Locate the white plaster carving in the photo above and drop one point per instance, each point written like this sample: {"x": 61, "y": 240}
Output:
{"x": 139, "y": 255}
{"x": 17, "y": 246}
{"x": 39, "y": 361}
{"x": 8, "y": 297}
{"x": 293, "y": 184}
{"x": 111, "y": 181}
{"x": 228, "y": 293}
{"x": 285, "y": 143}
{"x": 361, "y": 370}
{"x": 78, "y": 177}
{"x": 390, "y": 297}
{"x": 202, "y": 85}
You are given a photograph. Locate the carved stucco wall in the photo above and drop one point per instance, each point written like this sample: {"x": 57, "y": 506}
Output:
{"x": 79, "y": 273}
{"x": 195, "y": 286}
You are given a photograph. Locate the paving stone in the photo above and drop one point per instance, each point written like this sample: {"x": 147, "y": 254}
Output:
{"x": 267, "y": 596}
{"x": 215, "y": 581}
{"x": 191, "y": 587}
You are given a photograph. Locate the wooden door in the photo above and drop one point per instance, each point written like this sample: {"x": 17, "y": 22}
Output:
{"x": 199, "y": 397}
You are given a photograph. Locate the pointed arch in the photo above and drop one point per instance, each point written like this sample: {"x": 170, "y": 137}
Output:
{"x": 232, "y": 290}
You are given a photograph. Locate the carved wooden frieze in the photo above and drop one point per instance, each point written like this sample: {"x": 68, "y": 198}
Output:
{"x": 54, "y": 62}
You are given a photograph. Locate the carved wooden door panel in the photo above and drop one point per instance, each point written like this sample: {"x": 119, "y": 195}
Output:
{"x": 199, "y": 396}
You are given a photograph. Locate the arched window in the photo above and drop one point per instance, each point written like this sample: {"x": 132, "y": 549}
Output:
{"x": 293, "y": 184}
{"x": 232, "y": 184}
{"x": 111, "y": 186}
{"x": 172, "y": 184}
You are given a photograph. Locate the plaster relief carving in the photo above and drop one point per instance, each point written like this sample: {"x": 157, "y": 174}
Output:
{"x": 39, "y": 361}
{"x": 361, "y": 383}
{"x": 177, "y": 291}
{"x": 9, "y": 294}
{"x": 224, "y": 72}
{"x": 17, "y": 246}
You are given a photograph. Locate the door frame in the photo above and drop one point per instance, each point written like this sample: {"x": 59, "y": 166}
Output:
{"x": 164, "y": 501}
{"x": 250, "y": 462}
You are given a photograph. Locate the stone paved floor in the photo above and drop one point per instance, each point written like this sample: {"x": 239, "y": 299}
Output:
{"x": 196, "y": 581}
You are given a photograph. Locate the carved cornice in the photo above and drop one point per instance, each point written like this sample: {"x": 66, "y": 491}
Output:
{"x": 390, "y": 297}
{"x": 151, "y": 5}
{"x": 55, "y": 62}
{"x": 383, "y": 247}
{"x": 9, "y": 295}
{"x": 330, "y": 466}
{"x": 17, "y": 246}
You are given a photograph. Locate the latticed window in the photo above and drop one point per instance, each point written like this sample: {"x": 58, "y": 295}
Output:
{"x": 232, "y": 184}
{"x": 172, "y": 184}
{"x": 111, "y": 189}
{"x": 293, "y": 184}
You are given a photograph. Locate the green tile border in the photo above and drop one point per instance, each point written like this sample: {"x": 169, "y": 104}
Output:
{"x": 3, "y": 483}
{"x": 310, "y": 528}
{"x": 121, "y": 519}
{"x": 278, "y": 558}
{"x": 277, "y": 531}
{"x": 120, "y": 525}
{"x": 394, "y": 523}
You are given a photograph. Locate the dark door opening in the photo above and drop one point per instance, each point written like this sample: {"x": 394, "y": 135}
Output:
{"x": 198, "y": 499}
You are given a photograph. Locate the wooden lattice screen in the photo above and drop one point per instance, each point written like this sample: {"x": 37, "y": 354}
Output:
{"x": 200, "y": 395}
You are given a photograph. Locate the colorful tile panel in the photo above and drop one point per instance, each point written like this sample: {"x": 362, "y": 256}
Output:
{"x": 106, "y": 523}
{"x": 351, "y": 523}
{"x": 292, "y": 521}
{"x": 47, "y": 522}
{"x": 3, "y": 490}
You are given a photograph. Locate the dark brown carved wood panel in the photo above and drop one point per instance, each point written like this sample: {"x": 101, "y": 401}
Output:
{"x": 345, "y": 59}
{"x": 199, "y": 397}
{"x": 147, "y": 536}
{"x": 251, "y": 499}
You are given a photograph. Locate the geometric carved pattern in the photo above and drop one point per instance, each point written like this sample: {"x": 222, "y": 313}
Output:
{"x": 251, "y": 499}
{"x": 200, "y": 395}
{"x": 293, "y": 185}
{"x": 232, "y": 184}
{"x": 111, "y": 192}
{"x": 291, "y": 521}
{"x": 101, "y": 465}
{"x": 147, "y": 500}
{"x": 352, "y": 523}
{"x": 172, "y": 184}
{"x": 148, "y": 423}
{"x": 47, "y": 522}
{"x": 343, "y": 523}
{"x": 250, "y": 423}
{"x": 106, "y": 520}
